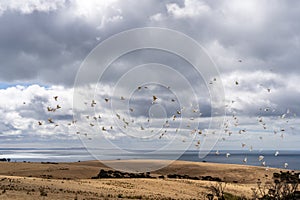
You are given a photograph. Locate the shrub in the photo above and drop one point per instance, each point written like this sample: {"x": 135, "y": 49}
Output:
{"x": 284, "y": 187}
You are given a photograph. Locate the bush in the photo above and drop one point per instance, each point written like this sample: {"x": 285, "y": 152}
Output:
{"x": 284, "y": 187}
{"x": 218, "y": 189}
{"x": 43, "y": 192}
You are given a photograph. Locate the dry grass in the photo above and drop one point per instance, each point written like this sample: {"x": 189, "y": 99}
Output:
{"x": 72, "y": 181}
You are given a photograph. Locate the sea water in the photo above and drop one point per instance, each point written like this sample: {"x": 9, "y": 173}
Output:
{"x": 81, "y": 154}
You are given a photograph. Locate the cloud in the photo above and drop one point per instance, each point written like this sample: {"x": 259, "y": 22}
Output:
{"x": 27, "y": 7}
{"x": 44, "y": 43}
{"x": 56, "y": 36}
{"x": 191, "y": 8}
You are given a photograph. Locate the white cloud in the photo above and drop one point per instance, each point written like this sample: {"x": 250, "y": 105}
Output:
{"x": 29, "y": 6}
{"x": 156, "y": 17}
{"x": 98, "y": 13}
{"x": 250, "y": 11}
{"x": 191, "y": 9}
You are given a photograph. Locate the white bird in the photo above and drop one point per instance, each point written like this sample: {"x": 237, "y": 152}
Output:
{"x": 227, "y": 155}
{"x": 245, "y": 160}
{"x": 276, "y": 153}
{"x": 217, "y": 152}
{"x": 50, "y": 121}
{"x": 154, "y": 98}
{"x": 267, "y": 168}
{"x": 93, "y": 103}
{"x": 251, "y": 148}
{"x": 286, "y": 165}
{"x": 260, "y": 158}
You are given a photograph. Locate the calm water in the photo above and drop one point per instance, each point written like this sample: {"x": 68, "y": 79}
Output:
{"x": 75, "y": 154}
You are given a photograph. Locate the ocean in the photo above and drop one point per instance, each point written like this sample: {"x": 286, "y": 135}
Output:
{"x": 81, "y": 154}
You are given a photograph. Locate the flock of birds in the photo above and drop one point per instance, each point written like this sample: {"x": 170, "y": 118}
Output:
{"x": 230, "y": 126}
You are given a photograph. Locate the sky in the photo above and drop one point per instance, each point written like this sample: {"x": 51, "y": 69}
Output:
{"x": 254, "y": 46}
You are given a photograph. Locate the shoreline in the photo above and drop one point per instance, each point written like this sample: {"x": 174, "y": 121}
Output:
{"x": 144, "y": 160}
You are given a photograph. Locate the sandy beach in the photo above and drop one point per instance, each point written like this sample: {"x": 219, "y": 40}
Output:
{"x": 73, "y": 181}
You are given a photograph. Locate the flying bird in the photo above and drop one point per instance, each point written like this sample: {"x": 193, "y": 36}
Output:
{"x": 154, "y": 98}
{"x": 260, "y": 158}
{"x": 93, "y": 103}
{"x": 198, "y": 144}
{"x": 55, "y": 98}
{"x": 50, "y": 109}
{"x": 50, "y": 120}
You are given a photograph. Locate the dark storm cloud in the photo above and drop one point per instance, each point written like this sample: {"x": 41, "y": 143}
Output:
{"x": 49, "y": 46}
{"x": 39, "y": 46}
